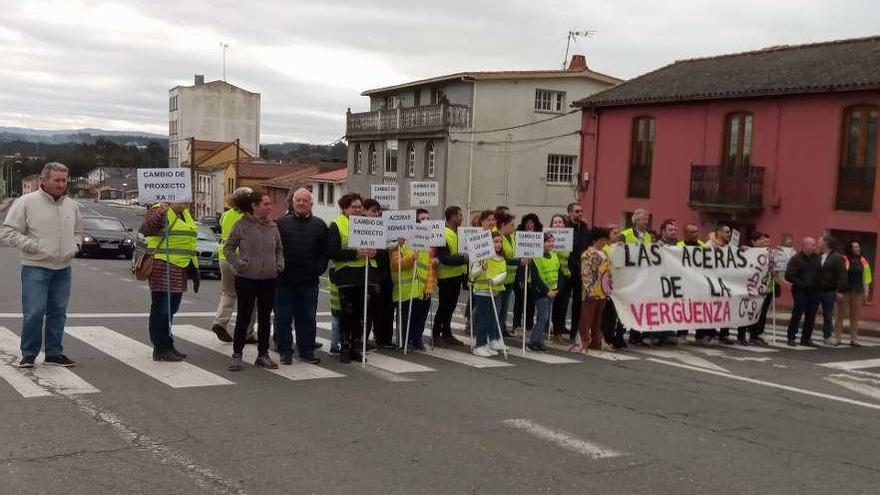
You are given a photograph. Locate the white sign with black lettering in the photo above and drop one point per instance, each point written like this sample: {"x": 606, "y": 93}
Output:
{"x": 171, "y": 185}
{"x": 529, "y": 244}
{"x": 421, "y": 239}
{"x": 734, "y": 237}
{"x": 480, "y": 246}
{"x": 424, "y": 194}
{"x": 399, "y": 224}
{"x": 463, "y": 234}
{"x": 437, "y": 229}
{"x": 366, "y": 233}
{"x": 386, "y": 195}
{"x": 563, "y": 239}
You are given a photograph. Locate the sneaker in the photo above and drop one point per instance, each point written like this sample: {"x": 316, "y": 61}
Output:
{"x": 221, "y": 333}
{"x": 497, "y": 345}
{"x": 286, "y": 358}
{"x": 235, "y": 363}
{"x": 27, "y": 362}
{"x": 59, "y": 360}
{"x": 483, "y": 351}
{"x": 166, "y": 355}
{"x": 608, "y": 348}
{"x": 535, "y": 347}
{"x": 264, "y": 361}
{"x": 334, "y": 349}
{"x": 310, "y": 359}
{"x": 178, "y": 353}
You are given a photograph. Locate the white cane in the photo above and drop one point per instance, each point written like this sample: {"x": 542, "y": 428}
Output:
{"x": 366, "y": 288}
{"x": 497, "y": 322}
{"x": 470, "y": 306}
{"x": 525, "y": 305}
{"x": 399, "y": 296}
{"x": 409, "y": 312}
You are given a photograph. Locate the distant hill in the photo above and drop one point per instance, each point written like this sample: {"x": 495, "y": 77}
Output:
{"x": 87, "y": 136}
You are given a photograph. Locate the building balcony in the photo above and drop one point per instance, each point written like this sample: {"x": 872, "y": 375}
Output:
{"x": 407, "y": 121}
{"x": 726, "y": 189}
{"x": 855, "y": 188}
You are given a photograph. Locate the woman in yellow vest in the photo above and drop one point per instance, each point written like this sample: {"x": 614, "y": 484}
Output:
{"x": 414, "y": 293}
{"x": 560, "y": 302}
{"x": 227, "y": 274}
{"x": 488, "y": 277}
{"x": 528, "y": 223}
{"x": 859, "y": 278}
{"x": 543, "y": 287}
{"x": 174, "y": 260}
{"x": 507, "y": 226}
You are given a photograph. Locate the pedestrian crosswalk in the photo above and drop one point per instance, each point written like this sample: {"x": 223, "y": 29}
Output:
{"x": 392, "y": 366}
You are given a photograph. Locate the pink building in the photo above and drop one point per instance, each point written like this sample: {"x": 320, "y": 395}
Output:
{"x": 783, "y": 140}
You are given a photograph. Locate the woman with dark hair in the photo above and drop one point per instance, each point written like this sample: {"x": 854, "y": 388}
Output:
{"x": 529, "y": 223}
{"x": 487, "y": 220}
{"x": 858, "y": 280}
{"x": 255, "y": 251}
{"x": 596, "y": 281}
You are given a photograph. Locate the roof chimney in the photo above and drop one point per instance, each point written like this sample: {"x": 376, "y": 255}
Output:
{"x": 200, "y": 79}
{"x": 578, "y": 63}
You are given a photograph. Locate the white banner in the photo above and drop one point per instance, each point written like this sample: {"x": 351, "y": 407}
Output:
{"x": 424, "y": 194}
{"x": 661, "y": 288}
{"x": 386, "y": 195}
{"x": 563, "y": 238}
{"x": 171, "y": 185}
{"x": 480, "y": 246}
{"x": 463, "y": 234}
{"x": 399, "y": 224}
{"x": 366, "y": 232}
{"x": 437, "y": 228}
{"x": 529, "y": 244}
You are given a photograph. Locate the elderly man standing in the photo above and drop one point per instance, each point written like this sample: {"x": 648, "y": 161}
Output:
{"x": 638, "y": 234}
{"x": 802, "y": 273}
{"x": 304, "y": 238}
{"x": 228, "y": 296}
{"x": 41, "y": 226}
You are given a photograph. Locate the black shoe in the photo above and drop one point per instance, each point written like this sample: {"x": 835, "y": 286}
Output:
{"x": 808, "y": 343}
{"x": 345, "y": 354}
{"x": 334, "y": 349}
{"x": 221, "y": 333}
{"x": 388, "y": 346}
{"x": 27, "y": 362}
{"x": 251, "y": 340}
{"x": 356, "y": 355}
{"x": 310, "y": 359}
{"x": 533, "y": 347}
{"x": 725, "y": 340}
{"x": 742, "y": 341}
{"x": 318, "y": 345}
{"x": 792, "y": 343}
{"x": 286, "y": 358}
{"x": 758, "y": 341}
{"x": 59, "y": 360}
{"x": 166, "y": 355}
{"x": 178, "y": 353}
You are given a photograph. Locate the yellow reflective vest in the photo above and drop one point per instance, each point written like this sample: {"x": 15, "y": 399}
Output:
{"x": 405, "y": 288}
{"x": 450, "y": 271}
{"x": 228, "y": 220}
{"x": 494, "y": 267}
{"x": 630, "y": 237}
{"x": 342, "y": 224}
{"x": 548, "y": 270}
{"x": 179, "y": 247}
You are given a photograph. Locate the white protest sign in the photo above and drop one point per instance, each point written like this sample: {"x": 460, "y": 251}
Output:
{"x": 366, "y": 232}
{"x": 563, "y": 238}
{"x": 463, "y": 234}
{"x": 661, "y": 288}
{"x": 386, "y": 195}
{"x": 781, "y": 258}
{"x": 399, "y": 224}
{"x": 529, "y": 244}
{"x": 480, "y": 246}
{"x": 172, "y": 185}
{"x": 424, "y": 194}
{"x": 421, "y": 239}
{"x": 734, "y": 237}
{"x": 437, "y": 229}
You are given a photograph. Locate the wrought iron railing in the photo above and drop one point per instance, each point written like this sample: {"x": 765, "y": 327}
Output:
{"x": 410, "y": 120}
{"x": 727, "y": 187}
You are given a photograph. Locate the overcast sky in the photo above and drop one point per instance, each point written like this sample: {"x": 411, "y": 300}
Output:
{"x": 109, "y": 64}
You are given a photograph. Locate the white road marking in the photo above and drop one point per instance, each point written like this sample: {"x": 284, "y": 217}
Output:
{"x": 782, "y": 344}
{"x": 684, "y": 357}
{"x": 563, "y": 439}
{"x": 606, "y": 355}
{"x": 770, "y": 384}
{"x": 541, "y": 357}
{"x": 106, "y": 273}
{"x": 465, "y": 358}
{"x": 139, "y": 356}
{"x": 720, "y": 353}
{"x": 853, "y": 365}
{"x": 296, "y": 371}
{"x": 125, "y": 279}
{"x": 859, "y": 384}
{"x": 384, "y": 362}
{"x": 46, "y": 378}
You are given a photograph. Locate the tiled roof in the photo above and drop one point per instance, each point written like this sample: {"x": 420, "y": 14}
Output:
{"x": 834, "y": 66}
{"x": 292, "y": 178}
{"x": 338, "y": 175}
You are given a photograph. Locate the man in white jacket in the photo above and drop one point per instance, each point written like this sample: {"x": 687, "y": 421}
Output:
{"x": 41, "y": 226}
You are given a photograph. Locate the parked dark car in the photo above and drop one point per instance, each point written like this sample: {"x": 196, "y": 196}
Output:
{"x": 104, "y": 236}
{"x": 209, "y": 249}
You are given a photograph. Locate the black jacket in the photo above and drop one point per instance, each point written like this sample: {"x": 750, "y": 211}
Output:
{"x": 347, "y": 276}
{"x": 305, "y": 250}
{"x": 580, "y": 242}
{"x": 803, "y": 271}
{"x": 832, "y": 274}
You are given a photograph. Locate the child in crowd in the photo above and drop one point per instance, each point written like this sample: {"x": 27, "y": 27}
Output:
{"x": 488, "y": 282}
{"x": 543, "y": 285}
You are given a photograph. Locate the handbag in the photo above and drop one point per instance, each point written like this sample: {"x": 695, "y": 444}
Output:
{"x": 142, "y": 261}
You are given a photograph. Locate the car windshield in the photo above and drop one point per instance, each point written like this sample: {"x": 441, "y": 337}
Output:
{"x": 206, "y": 234}
{"x": 103, "y": 224}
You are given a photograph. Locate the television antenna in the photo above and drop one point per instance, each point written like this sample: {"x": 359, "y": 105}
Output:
{"x": 224, "y": 47}
{"x": 573, "y": 36}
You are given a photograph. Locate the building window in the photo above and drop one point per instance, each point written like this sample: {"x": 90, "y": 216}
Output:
{"x": 856, "y": 172}
{"x": 410, "y": 160}
{"x": 373, "y": 159}
{"x": 560, "y": 169}
{"x": 429, "y": 159}
{"x": 391, "y": 157}
{"x": 549, "y": 101}
{"x": 738, "y": 140}
{"x": 172, "y": 103}
{"x": 417, "y": 98}
{"x": 172, "y": 127}
{"x": 641, "y": 157}
{"x": 392, "y": 102}
{"x": 359, "y": 159}
{"x": 437, "y": 96}
{"x": 331, "y": 193}
{"x": 230, "y": 185}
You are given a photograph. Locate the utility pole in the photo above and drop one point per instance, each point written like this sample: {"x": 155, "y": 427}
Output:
{"x": 573, "y": 36}
{"x": 224, "y": 47}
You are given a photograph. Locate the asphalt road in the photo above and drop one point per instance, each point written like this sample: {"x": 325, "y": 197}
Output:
{"x": 676, "y": 421}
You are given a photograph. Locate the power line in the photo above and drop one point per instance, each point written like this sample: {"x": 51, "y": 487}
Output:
{"x": 519, "y": 126}
{"x": 506, "y": 142}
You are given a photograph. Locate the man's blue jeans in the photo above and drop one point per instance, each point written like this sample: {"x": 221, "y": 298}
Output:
{"x": 44, "y": 296}
{"x": 504, "y": 297}
{"x": 297, "y": 307}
